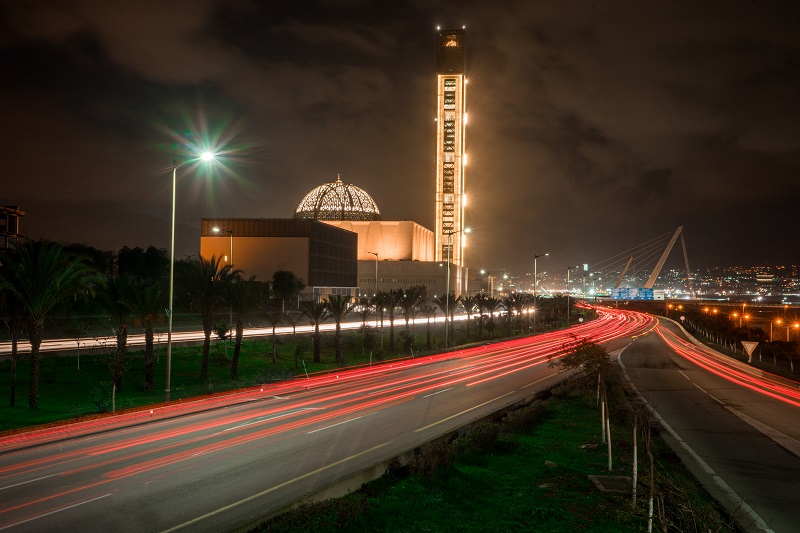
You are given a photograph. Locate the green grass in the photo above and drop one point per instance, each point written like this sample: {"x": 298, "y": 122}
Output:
{"x": 509, "y": 487}
{"x": 68, "y": 393}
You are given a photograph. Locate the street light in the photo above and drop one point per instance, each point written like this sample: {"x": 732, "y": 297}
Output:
{"x": 777, "y": 321}
{"x": 229, "y": 232}
{"x": 447, "y": 292}
{"x": 206, "y": 156}
{"x": 230, "y": 262}
{"x": 568, "y": 309}
{"x": 376, "y": 272}
{"x": 535, "y": 257}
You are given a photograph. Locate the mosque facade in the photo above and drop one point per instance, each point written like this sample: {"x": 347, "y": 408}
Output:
{"x": 359, "y": 253}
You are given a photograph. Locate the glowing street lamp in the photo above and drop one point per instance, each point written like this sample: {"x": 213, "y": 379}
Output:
{"x": 535, "y": 280}
{"x": 568, "y": 310}
{"x": 777, "y": 321}
{"x": 229, "y": 232}
{"x": 206, "y": 156}
{"x": 230, "y": 262}
{"x": 376, "y": 272}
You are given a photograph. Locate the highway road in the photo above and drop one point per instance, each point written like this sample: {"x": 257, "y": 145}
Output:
{"x": 738, "y": 432}
{"x": 222, "y": 468}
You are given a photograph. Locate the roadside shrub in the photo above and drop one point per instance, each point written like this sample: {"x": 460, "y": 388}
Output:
{"x": 525, "y": 419}
{"x": 221, "y": 330}
{"x": 101, "y": 396}
{"x": 483, "y": 437}
{"x": 328, "y": 515}
{"x": 431, "y": 457}
{"x": 219, "y": 354}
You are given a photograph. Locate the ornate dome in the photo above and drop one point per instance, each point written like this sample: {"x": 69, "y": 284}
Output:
{"x": 338, "y": 201}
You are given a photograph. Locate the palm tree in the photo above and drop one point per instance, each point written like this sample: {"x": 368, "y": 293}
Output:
{"x": 492, "y": 304}
{"x": 379, "y": 301}
{"x": 516, "y": 302}
{"x": 480, "y": 301}
{"x": 204, "y": 282}
{"x": 11, "y": 306}
{"x": 242, "y": 296}
{"x": 410, "y": 300}
{"x": 470, "y": 304}
{"x": 149, "y": 301}
{"x": 390, "y": 301}
{"x": 316, "y": 312}
{"x": 338, "y": 308}
{"x": 429, "y": 312}
{"x": 285, "y": 286}
{"x": 274, "y": 317}
{"x": 39, "y": 275}
{"x": 293, "y": 319}
{"x": 365, "y": 308}
{"x": 447, "y": 303}
{"x": 116, "y": 296}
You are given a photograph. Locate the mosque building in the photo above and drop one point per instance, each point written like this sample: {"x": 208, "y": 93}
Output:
{"x": 337, "y": 241}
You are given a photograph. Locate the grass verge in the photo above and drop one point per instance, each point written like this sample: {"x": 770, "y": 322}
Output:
{"x": 529, "y": 473}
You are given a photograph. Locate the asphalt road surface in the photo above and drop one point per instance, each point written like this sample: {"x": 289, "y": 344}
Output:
{"x": 224, "y": 467}
{"x": 739, "y": 434}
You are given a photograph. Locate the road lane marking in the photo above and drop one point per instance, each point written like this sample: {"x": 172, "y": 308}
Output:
{"x": 544, "y": 378}
{"x": 266, "y": 418}
{"x": 25, "y": 482}
{"x": 782, "y": 439}
{"x": 339, "y": 423}
{"x": 437, "y": 392}
{"x": 736, "y": 500}
{"x": 272, "y": 489}
{"x": 462, "y": 412}
{"x": 54, "y": 512}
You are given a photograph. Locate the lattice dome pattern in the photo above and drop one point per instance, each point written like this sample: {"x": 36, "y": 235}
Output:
{"x": 338, "y": 201}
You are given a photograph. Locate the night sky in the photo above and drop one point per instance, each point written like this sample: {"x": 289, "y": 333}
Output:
{"x": 593, "y": 126}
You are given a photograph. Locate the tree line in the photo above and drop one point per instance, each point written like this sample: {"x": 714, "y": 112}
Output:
{"x": 39, "y": 278}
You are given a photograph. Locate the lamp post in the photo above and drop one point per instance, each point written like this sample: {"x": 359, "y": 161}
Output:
{"x": 447, "y": 292}
{"x": 206, "y": 156}
{"x": 229, "y": 232}
{"x": 568, "y": 309}
{"x": 535, "y": 279}
{"x": 777, "y": 321}
{"x": 376, "y": 272}
{"x": 230, "y": 262}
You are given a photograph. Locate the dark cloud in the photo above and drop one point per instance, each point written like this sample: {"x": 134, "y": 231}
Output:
{"x": 593, "y": 126}
{"x": 656, "y": 183}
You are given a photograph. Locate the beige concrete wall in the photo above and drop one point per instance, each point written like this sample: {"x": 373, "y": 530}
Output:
{"x": 394, "y": 240}
{"x": 262, "y": 256}
{"x": 403, "y": 274}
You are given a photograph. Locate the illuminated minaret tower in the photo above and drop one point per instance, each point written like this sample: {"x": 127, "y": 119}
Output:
{"x": 451, "y": 117}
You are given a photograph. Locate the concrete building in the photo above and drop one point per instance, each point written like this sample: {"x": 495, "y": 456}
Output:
{"x": 10, "y": 229}
{"x": 401, "y": 251}
{"x": 323, "y": 256}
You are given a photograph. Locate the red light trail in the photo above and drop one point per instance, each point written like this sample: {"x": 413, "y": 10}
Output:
{"x": 240, "y": 424}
